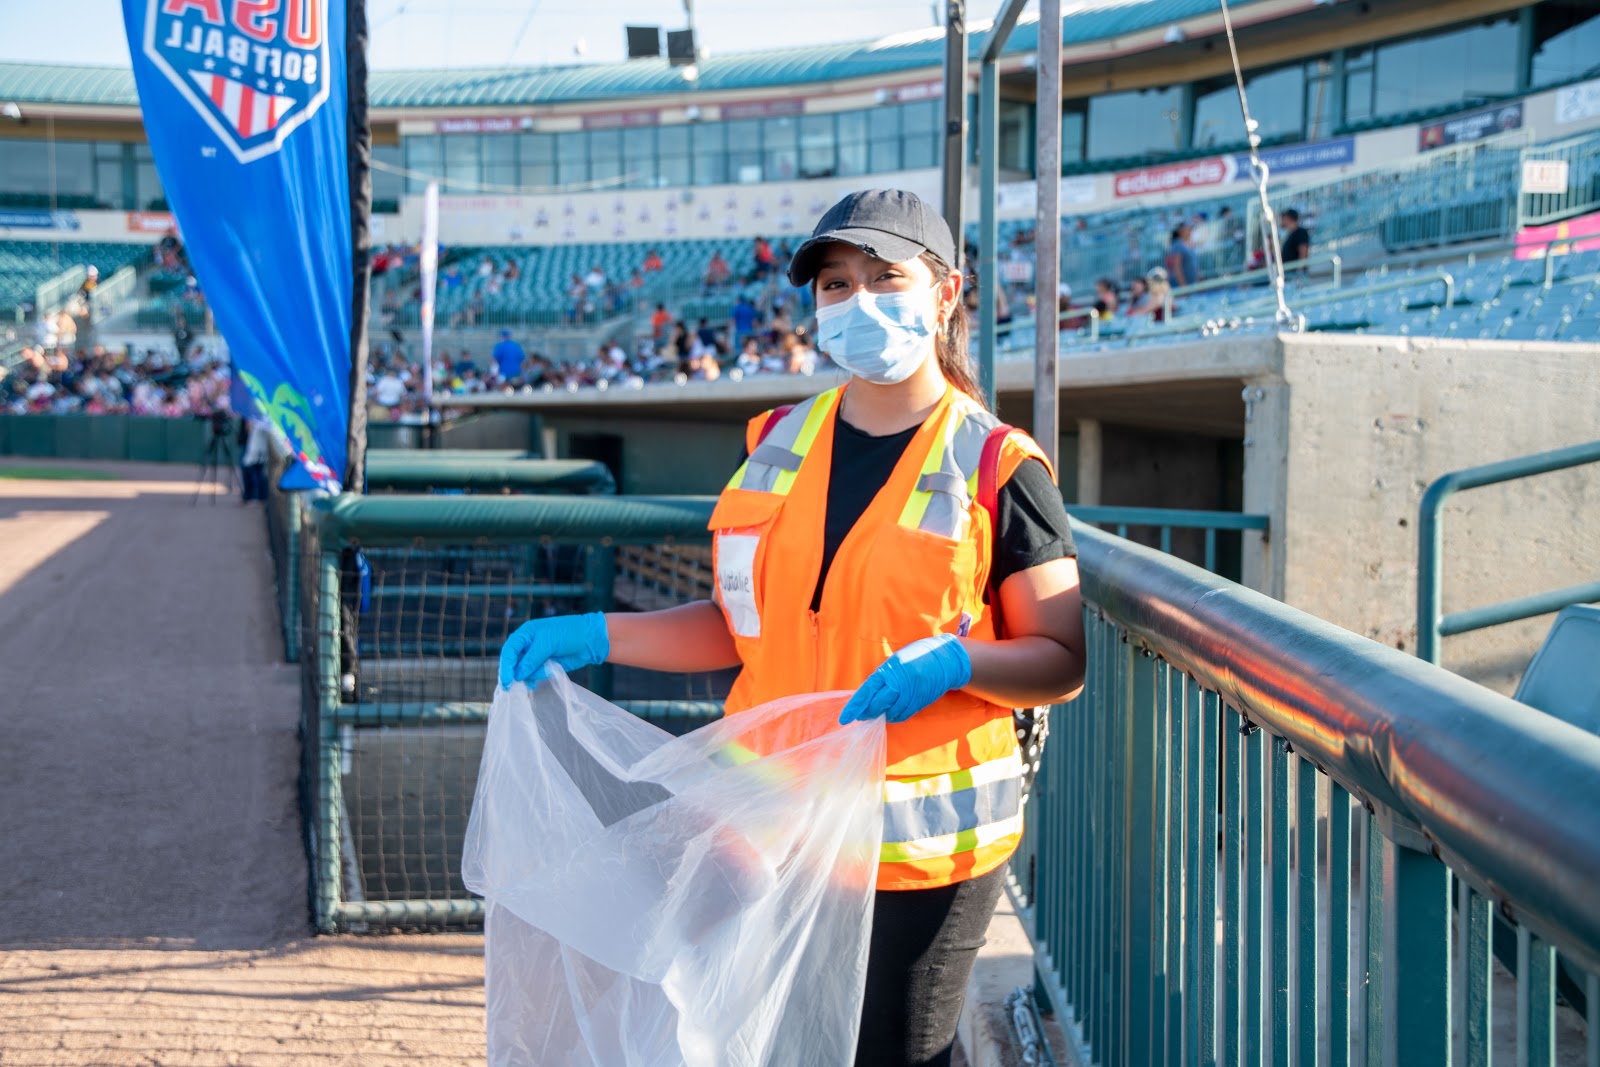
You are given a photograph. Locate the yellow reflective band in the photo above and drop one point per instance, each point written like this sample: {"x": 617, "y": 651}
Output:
{"x": 917, "y": 503}
{"x": 936, "y": 784}
{"x": 737, "y": 481}
{"x": 949, "y": 844}
{"x": 808, "y": 434}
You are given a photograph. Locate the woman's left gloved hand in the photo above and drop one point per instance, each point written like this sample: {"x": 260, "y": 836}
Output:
{"x": 910, "y": 680}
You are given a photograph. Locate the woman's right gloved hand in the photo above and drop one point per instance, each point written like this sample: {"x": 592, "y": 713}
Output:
{"x": 572, "y": 641}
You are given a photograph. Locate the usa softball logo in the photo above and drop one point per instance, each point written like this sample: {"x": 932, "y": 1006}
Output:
{"x": 253, "y": 69}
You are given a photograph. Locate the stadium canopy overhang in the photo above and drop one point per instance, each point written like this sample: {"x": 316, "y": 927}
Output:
{"x": 1108, "y": 47}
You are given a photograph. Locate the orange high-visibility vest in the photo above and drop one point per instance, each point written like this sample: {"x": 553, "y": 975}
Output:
{"x": 916, "y": 564}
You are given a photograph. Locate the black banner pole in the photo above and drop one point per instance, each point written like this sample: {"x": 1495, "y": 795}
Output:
{"x": 359, "y": 163}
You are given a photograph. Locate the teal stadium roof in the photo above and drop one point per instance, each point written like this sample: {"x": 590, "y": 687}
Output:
{"x": 1084, "y": 22}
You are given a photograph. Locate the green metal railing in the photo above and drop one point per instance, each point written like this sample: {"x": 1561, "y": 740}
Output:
{"x": 1432, "y": 624}
{"x": 442, "y": 470}
{"x": 1259, "y": 838}
{"x": 1165, "y": 522}
{"x": 395, "y": 696}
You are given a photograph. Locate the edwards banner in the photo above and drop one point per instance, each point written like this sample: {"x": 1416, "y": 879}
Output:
{"x": 245, "y": 106}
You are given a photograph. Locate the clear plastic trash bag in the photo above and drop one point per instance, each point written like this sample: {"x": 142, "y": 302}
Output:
{"x": 660, "y": 901}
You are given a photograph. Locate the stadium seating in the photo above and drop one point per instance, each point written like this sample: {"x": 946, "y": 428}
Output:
{"x": 539, "y": 295}
{"x": 26, "y": 265}
{"x": 1494, "y": 298}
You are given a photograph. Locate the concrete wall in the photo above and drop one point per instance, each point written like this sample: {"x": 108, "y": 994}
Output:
{"x": 1355, "y": 429}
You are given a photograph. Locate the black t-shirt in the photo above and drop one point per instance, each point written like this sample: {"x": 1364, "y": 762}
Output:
{"x": 1297, "y": 245}
{"x": 1032, "y": 520}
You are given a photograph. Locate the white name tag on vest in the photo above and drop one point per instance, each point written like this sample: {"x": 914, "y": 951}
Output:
{"x": 736, "y": 581}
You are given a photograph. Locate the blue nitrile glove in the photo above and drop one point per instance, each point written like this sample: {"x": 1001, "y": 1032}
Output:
{"x": 572, "y": 641}
{"x": 910, "y": 680}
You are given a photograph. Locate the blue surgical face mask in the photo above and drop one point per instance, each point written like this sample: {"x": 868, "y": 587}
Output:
{"x": 879, "y": 337}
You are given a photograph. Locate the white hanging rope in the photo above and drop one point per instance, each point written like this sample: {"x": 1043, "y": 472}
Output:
{"x": 1286, "y": 319}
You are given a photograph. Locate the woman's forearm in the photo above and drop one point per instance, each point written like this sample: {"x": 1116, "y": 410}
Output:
{"x": 688, "y": 638}
{"x": 1023, "y": 671}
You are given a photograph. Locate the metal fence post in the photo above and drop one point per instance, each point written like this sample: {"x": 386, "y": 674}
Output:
{"x": 330, "y": 779}
{"x": 600, "y": 575}
{"x": 291, "y": 583}
{"x": 1047, "y": 236}
{"x": 988, "y": 226}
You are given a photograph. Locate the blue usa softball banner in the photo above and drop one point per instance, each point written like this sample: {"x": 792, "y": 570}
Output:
{"x": 244, "y": 103}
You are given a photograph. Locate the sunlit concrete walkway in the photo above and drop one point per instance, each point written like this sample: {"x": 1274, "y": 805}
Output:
{"x": 153, "y": 891}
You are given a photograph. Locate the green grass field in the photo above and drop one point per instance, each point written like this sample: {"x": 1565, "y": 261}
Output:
{"x": 59, "y": 474}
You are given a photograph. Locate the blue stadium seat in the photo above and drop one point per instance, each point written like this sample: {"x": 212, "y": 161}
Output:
{"x": 1564, "y": 680}
{"x": 26, "y": 265}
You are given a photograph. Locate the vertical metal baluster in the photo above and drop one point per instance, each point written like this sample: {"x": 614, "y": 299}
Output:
{"x": 1080, "y": 788}
{"x": 1166, "y": 539}
{"x": 1095, "y": 931}
{"x": 1209, "y": 759}
{"x": 1278, "y": 915}
{"x": 1211, "y": 549}
{"x": 1360, "y": 916}
{"x": 1192, "y": 796}
{"x": 1337, "y": 1010}
{"x": 1536, "y": 1001}
{"x": 1232, "y": 819}
{"x": 1475, "y": 920}
{"x": 1122, "y": 723}
{"x": 1304, "y": 997}
{"x": 1416, "y": 932}
{"x": 1177, "y": 895}
{"x": 1147, "y": 897}
{"x": 1094, "y": 972}
{"x": 1376, "y": 942}
{"x": 1255, "y": 898}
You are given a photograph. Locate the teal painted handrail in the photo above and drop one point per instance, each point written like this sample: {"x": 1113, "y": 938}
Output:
{"x": 1256, "y": 836}
{"x": 1432, "y": 623}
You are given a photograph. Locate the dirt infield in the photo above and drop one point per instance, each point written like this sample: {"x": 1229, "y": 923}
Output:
{"x": 153, "y": 897}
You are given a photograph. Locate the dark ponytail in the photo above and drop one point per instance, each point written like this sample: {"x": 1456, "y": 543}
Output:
{"x": 951, "y": 346}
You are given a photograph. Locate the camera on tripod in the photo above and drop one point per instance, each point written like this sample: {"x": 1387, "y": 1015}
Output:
{"x": 217, "y": 456}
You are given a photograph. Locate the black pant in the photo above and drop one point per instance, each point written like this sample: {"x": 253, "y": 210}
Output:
{"x": 253, "y": 481}
{"x": 924, "y": 942}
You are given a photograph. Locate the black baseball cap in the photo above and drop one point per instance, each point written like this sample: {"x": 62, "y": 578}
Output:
{"x": 892, "y": 224}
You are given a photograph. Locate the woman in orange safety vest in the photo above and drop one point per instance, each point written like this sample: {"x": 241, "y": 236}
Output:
{"x": 872, "y": 540}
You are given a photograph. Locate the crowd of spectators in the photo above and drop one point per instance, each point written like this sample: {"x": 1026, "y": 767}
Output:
{"x": 100, "y": 381}
{"x": 766, "y": 331}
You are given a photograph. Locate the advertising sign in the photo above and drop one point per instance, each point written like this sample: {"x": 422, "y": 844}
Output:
{"x": 1472, "y": 126}
{"x": 1339, "y": 152}
{"x": 1544, "y": 175}
{"x": 1171, "y": 177}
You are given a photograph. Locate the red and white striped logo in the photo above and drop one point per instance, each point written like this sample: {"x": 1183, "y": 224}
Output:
{"x": 254, "y": 70}
{"x": 249, "y": 110}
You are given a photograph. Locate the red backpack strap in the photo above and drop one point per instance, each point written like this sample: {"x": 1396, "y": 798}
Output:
{"x": 989, "y": 500}
{"x": 774, "y": 417}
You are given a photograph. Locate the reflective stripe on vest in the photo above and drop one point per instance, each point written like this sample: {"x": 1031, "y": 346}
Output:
{"x": 949, "y": 480}
{"x": 944, "y": 814}
{"x": 772, "y": 467}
